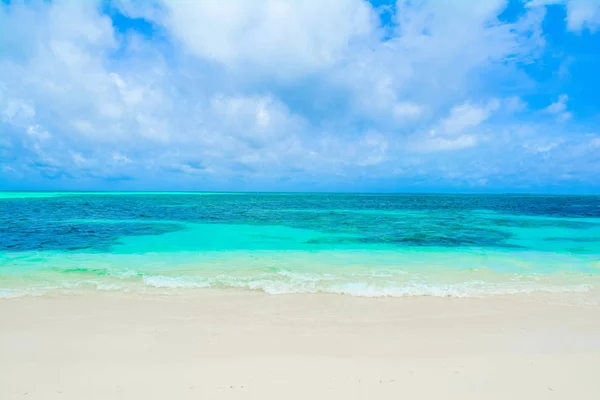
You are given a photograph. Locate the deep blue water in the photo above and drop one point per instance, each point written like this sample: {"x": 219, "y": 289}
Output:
{"x": 73, "y": 222}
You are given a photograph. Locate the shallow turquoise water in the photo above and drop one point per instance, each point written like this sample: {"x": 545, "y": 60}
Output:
{"x": 357, "y": 244}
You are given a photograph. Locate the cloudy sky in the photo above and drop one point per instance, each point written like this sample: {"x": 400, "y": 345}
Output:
{"x": 311, "y": 95}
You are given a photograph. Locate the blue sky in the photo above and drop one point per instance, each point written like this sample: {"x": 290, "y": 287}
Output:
{"x": 278, "y": 95}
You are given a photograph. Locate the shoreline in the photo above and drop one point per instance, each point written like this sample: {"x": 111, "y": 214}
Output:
{"x": 243, "y": 344}
{"x": 583, "y": 295}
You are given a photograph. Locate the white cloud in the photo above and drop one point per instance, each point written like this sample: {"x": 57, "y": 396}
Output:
{"x": 407, "y": 110}
{"x": 544, "y": 147}
{"x": 595, "y": 143}
{"x": 433, "y": 144}
{"x": 120, "y": 159}
{"x": 581, "y": 14}
{"x": 251, "y": 113}
{"x": 559, "y": 105}
{"x": 38, "y": 132}
{"x": 16, "y": 111}
{"x": 457, "y": 130}
{"x": 80, "y": 160}
{"x": 83, "y": 126}
{"x": 466, "y": 116}
{"x": 278, "y": 37}
{"x": 435, "y": 56}
{"x": 559, "y": 108}
{"x": 376, "y": 146}
{"x": 515, "y": 104}
{"x": 62, "y": 68}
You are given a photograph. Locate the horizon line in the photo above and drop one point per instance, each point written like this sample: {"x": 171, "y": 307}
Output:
{"x": 297, "y": 192}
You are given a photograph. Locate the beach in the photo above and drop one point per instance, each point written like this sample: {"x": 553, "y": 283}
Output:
{"x": 295, "y": 296}
{"x": 242, "y": 344}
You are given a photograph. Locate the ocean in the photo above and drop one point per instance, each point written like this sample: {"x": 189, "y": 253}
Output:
{"x": 279, "y": 243}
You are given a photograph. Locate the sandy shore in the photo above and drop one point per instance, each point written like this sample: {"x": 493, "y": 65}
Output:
{"x": 254, "y": 346}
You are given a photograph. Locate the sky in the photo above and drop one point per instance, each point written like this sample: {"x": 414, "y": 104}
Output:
{"x": 286, "y": 95}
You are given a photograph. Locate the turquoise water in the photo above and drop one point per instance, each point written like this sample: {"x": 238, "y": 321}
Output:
{"x": 355, "y": 244}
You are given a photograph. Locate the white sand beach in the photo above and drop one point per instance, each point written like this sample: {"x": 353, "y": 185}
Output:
{"x": 246, "y": 345}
